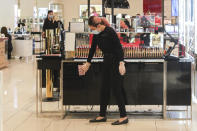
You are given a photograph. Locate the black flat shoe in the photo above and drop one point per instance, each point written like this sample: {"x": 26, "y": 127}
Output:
{"x": 120, "y": 123}
{"x": 95, "y": 120}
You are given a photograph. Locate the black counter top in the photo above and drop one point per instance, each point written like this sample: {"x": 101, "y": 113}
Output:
{"x": 128, "y": 60}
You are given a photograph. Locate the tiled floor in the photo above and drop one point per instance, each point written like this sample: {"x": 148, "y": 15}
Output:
{"x": 17, "y": 112}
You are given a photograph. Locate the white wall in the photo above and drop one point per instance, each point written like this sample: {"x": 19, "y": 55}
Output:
{"x": 43, "y": 3}
{"x": 167, "y": 9}
{"x": 7, "y": 13}
{"x": 26, "y": 7}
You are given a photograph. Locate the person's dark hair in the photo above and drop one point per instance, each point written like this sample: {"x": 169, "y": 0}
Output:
{"x": 94, "y": 9}
{"x": 50, "y": 11}
{"x": 91, "y": 21}
{"x": 4, "y": 31}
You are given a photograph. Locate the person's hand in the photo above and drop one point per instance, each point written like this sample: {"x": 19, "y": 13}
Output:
{"x": 85, "y": 67}
{"x": 122, "y": 68}
{"x": 55, "y": 18}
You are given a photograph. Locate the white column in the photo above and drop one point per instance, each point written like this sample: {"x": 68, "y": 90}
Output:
{"x": 7, "y": 13}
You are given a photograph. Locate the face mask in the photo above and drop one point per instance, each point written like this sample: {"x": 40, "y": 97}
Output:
{"x": 95, "y": 32}
{"x": 50, "y": 16}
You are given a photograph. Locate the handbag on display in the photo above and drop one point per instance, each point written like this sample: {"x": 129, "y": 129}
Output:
{"x": 124, "y": 4}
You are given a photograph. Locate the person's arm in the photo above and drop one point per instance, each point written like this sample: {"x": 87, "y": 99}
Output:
{"x": 92, "y": 49}
{"x": 44, "y": 25}
{"x": 55, "y": 24}
{"x": 118, "y": 50}
{"x": 44, "y": 28}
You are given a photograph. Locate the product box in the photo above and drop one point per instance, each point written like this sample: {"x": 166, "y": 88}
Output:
{"x": 70, "y": 54}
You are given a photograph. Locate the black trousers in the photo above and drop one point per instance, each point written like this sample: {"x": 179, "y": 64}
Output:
{"x": 9, "y": 54}
{"x": 112, "y": 81}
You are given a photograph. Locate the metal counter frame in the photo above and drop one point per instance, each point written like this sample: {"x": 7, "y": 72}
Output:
{"x": 164, "y": 108}
{"x": 64, "y": 109}
{"x": 39, "y": 103}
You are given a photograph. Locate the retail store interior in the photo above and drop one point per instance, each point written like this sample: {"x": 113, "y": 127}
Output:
{"x": 45, "y": 43}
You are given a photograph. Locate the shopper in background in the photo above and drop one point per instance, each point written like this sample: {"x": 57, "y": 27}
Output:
{"x": 58, "y": 22}
{"x": 113, "y": 67}
{"x": 93, "y": 11}
{"x": 10, "y": 47}
{"x": 49, "y": 22}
